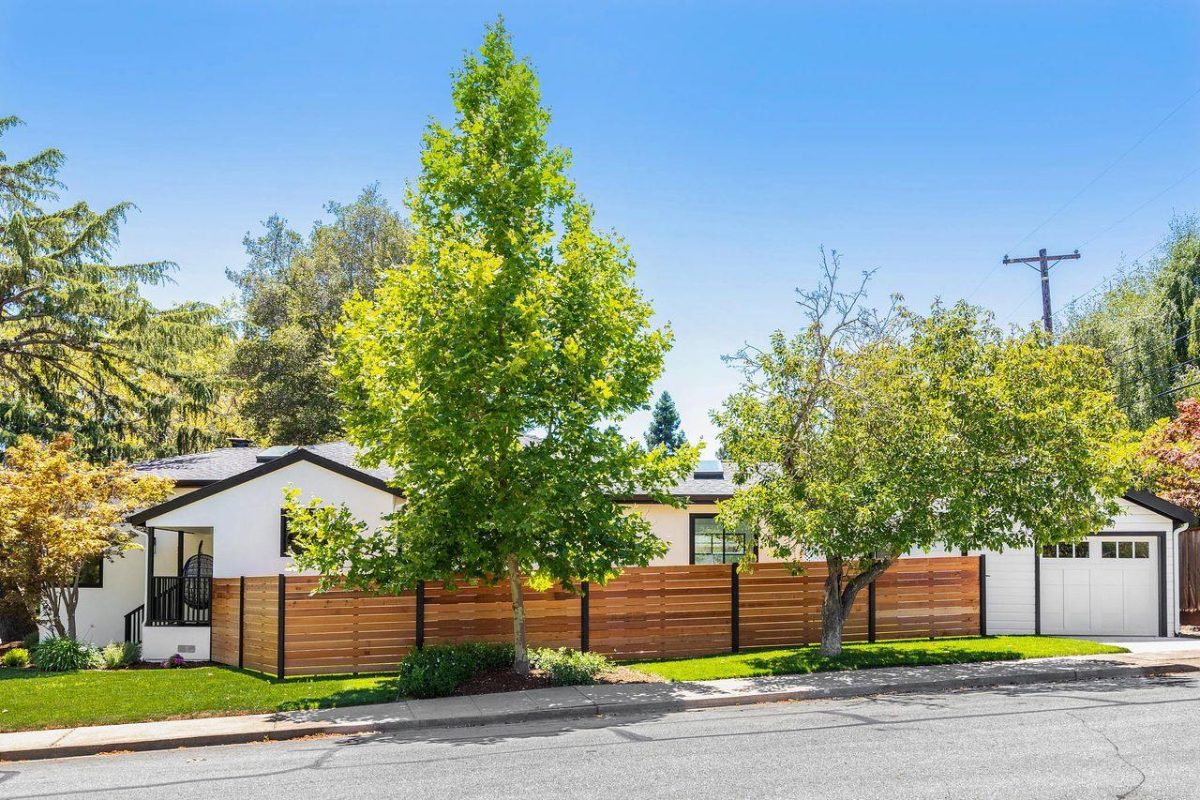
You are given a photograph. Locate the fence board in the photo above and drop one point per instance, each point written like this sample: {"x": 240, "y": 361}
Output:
{"x": 652, "y": 612}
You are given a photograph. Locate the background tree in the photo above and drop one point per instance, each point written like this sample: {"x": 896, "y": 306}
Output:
{"x": 292, "y": 293}
{"x": 58, "y": 515}
{"x": 664, "y": 426}
{"x": 80, "y": 349}
{"x": 1145, "y": 324}
{"x": 492, "y": 370}
{"x": 866, "y": 436}
{"x": 1170, "y": 456}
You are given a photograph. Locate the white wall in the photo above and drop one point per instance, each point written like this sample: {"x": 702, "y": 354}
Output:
{"x": 245, "y": 519}
{"x": 100, "y": 616}
{"x": 191, "y": 641}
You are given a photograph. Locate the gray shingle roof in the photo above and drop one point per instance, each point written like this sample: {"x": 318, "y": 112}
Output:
{"x": 199, "y": 469}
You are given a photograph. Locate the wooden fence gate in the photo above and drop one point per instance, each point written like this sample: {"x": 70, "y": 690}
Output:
{"x": 278, "y": 626}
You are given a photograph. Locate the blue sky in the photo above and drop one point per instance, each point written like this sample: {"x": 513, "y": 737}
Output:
{"x": 726, "y": 142}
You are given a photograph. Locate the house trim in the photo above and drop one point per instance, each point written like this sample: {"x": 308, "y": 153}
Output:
{"x": 266, "y": 468}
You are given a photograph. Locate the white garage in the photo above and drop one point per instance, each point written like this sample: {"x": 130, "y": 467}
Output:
{"x": 1107, "y": 585}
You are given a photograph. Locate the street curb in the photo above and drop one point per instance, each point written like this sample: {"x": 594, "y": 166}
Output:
{"x": 589, "y": 708}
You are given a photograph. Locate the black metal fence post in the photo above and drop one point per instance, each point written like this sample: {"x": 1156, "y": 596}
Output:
{"x": 871, "y": 601}
{"x": 282, "y": 628}
{"x": 420, "y": 614}
{"x": 735, "y": 610}
{"x": 241, "y": 622}
{"x": 982, "y": 594}
{"x": 584, "y": 633}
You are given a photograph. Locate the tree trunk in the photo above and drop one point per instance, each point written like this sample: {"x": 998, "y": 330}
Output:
{"x": 839, "y": 598}
{"x": 520, "y": 647}
{"x": 71, "y": 598}
{"x": 833, "y": 616}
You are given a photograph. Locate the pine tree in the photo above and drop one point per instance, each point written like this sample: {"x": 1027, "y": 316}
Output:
{"x": 664, "y": 425}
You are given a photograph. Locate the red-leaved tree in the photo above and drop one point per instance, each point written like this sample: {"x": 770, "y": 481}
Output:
{"x": 1170, "y": 456}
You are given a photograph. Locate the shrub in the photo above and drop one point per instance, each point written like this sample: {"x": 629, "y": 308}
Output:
{"x": 120, "y": 654}
{"x": 568, "y": 667}
{"x": 437, "y": 670}
{"x": 174, "y": 662}
{"x": 65, "y": 655}
{"x": 17, "y": 657}
{"x": 30, "y": 641}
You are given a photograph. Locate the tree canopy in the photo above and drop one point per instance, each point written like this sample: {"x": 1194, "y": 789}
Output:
{"x": 1145, "y": 324}
{"x": 665, "y": 427}
{"x": 865, "y": 436}
{"x": 1170, "y": 456}
{"x": 60, "y": 515}
{"x": 81, "y": 349}
{"x": 292, "y": 294}
{"x": 491, "y": 371}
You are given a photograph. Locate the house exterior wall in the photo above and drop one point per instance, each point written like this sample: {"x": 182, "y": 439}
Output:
{"x": 190, "y": 641}
{"x": 245, "y": 518}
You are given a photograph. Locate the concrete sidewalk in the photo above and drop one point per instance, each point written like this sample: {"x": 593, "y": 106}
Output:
{"x": 581, "y": 701}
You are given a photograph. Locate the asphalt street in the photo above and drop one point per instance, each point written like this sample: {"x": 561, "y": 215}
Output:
{"x": 1136, "y": 738}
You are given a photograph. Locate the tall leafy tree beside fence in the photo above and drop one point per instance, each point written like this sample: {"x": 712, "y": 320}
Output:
{"x": 60, "y": 516}
{"x": 81, "y": 349}
{"x": 492, "y": 370}
{"x": 865, "y": 436}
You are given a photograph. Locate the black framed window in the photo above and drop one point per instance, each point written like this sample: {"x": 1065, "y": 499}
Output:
{"x": 92, "y": 574}
{"x": 712, "y": 544}
{"x": 286, "y": 538}
{"x": 1067, "y": 550}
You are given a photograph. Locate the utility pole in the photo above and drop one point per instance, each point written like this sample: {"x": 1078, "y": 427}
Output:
{"x": 1043, "y": 267}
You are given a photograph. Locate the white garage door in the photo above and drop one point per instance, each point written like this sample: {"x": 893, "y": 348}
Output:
{"x": 1107, "y": 585}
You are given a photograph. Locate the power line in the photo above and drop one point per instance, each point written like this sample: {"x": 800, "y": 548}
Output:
{"x": 1107, "y": 169}
{"x": 1087, "y": 186}
{"x": 1143, "y": 205}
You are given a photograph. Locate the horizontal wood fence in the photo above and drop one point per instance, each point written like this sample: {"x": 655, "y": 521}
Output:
{"x": 278, "y": 626}
{"x": 1189, "y": 577}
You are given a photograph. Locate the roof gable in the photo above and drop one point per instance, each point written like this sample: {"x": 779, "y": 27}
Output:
{"x": 265, "y": 468}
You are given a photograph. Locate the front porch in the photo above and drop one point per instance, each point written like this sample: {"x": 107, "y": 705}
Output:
{"x": 177, "y": 611}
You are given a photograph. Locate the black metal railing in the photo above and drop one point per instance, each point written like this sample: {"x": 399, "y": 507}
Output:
{"x": 133, "y": 624}
{"x": 180, "y": 601}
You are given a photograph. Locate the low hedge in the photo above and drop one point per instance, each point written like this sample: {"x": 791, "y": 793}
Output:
{"x": 437, "y": 670}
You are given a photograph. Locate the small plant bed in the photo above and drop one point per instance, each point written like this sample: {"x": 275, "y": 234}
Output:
{"x": 906, "y": 653}
{"x": 480, "y": 668}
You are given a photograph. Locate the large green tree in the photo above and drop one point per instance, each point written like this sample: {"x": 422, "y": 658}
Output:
{"x": 1146, "y": 323}
{"x": 864, "y": 436}
{"x": 492, "y": 370}
{"x": 664, "y": 427}
{"x": 81, "y": 350}
{"x": 292, "y": 294}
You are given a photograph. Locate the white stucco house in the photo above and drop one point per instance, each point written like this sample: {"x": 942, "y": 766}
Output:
{"x": 225, "y": 521}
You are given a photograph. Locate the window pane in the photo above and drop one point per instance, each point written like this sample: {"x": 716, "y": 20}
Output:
{"x": 92, "y": 573}
{"x": 1108, "y": 549}
{"x": 1065, "y": 550}
{"x": 1125, "y": 549}
{"x": 707, "y": 540}
{"x": 1141, "y": 549}
{"x": 1083, "y": 550}
{"x": 1049, "y": 551}
{"x": 735, "y": 546}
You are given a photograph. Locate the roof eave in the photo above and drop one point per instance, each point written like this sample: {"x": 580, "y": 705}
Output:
{"x": 208, "y": 489}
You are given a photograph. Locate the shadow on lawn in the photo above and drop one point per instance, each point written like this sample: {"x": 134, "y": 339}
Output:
{"x": 878, "y": 656}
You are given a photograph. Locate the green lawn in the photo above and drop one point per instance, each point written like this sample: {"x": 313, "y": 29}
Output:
{"x": 31, "y": 699}
{"x": 915, "y": 652}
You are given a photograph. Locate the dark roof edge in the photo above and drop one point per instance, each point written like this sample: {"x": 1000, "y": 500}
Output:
{"x": 691, "y": 498}
{"x": 215, "y": 487}
{"x": 1152, "y": 502}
